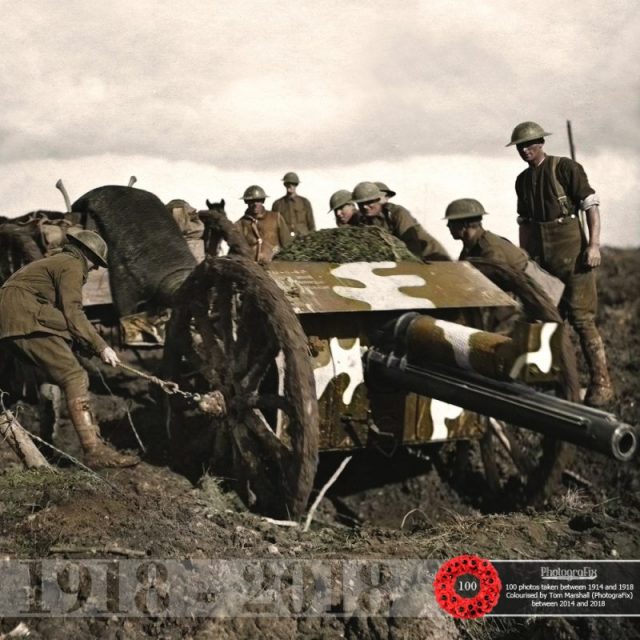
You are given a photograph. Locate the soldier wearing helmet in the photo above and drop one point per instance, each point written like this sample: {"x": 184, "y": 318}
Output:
{"x": 295, "y": 209}
{"x": 551, "y": 193}
{"x": 344, "y": 209}
{"x": 464, "y": 219}
{"x": 41, "y": 317}
{"x": 387, "y": 193}
{"x": 265, "y": 231}
{"x": 374, "y": 211}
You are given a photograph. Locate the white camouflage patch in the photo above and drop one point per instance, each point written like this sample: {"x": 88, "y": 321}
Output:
{"x": 543, "y": 357}
{"x": 441, "y": 411}
{"x": 342, "y": 360}
{"x": 380, "y": 287}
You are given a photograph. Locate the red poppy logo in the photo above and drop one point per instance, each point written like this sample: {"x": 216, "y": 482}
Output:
{"x": 467, "y": 587}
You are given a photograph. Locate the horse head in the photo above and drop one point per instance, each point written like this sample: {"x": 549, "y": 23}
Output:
{"x": 216, "y": 206}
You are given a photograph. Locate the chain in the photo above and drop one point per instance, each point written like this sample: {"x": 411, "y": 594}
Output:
{"x": 169, "y": 387}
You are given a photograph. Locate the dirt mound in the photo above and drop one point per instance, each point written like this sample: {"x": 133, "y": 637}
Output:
{"x": 152, "y": 512}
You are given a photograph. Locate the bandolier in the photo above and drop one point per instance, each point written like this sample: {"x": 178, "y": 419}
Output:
{"x": 265, "y": 231}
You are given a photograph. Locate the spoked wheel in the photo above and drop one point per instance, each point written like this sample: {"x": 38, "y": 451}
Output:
{"x": 235, "y": 333}
{"x": 507, "y": 467}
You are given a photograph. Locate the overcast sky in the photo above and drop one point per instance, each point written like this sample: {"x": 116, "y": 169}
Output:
{"x": 200, "y": 99}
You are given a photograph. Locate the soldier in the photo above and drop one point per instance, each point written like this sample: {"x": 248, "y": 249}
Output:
{"x": 388, "y": 193}
{"x": 265, "y": 231}
{"x": 397, "y": 220}
{"x": 551, "y": 192}
{"x": 41, "y": 315}
{"x": 464, "y": 219}
{"x": 295, "y": 209}
{"x": 344, "y": 209}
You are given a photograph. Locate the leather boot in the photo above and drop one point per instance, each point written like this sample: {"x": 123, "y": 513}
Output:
{"x": 97, "y": 453}
{"x": 600, "y": 392}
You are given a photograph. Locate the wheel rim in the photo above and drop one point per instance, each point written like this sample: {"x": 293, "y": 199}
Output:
{"x": 509, "y": 467}
{"x": 245, "y": 341}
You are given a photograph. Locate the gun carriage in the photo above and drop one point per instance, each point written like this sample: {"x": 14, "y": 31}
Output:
{"x": 297, "y": 358}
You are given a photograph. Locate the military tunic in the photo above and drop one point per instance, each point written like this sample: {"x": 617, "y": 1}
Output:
{"x": 399, "y": 221}
{"x": 556, "y": 241}
{"x": 297, "y": 213}
{"x": 265, "y": 233}
{"x": 493, "y": 247}
{"x": 41, "y": 314}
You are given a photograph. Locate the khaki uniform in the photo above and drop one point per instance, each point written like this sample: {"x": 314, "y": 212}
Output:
{"x": 399, "y": 221}
{"x": 556, "y": 241}
{"x": 496, "y": 248}
{"x": 265, "y": 234}
{"x": 41, "y": 315}
{"x": 297, "y": 213}
{"x": 500, "y": 250}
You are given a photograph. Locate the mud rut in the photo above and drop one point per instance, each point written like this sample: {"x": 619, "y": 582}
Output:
{"x": 593, "y": 513}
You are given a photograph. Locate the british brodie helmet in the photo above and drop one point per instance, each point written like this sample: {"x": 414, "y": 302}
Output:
{"x": 463, "y": 209}
{"x": 91, "y": 243}
{"x": 527, "y": 131}
{"x": 366, "y": 192}
{"x": 339, "y": 199}
{"x": 291, "y": 178}
{"x": 254, "y": 192}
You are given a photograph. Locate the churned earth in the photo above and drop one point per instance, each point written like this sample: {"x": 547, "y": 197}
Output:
{"x": 373, "y": 512}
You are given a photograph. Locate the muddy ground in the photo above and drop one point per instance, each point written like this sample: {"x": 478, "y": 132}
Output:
{"x": 153, "y": 512}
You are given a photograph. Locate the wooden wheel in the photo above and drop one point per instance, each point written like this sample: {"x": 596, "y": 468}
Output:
{"x": 508, "y": 467}
{"x": 234, "y": 332}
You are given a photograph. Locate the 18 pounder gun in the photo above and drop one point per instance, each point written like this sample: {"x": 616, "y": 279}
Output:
{"x": 311, "y": 357}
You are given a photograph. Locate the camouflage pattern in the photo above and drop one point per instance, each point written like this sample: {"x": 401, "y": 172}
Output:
{"x": 323, "y": 288}
{"x": 347, "y": 243}
{"x": 322, "y": 293}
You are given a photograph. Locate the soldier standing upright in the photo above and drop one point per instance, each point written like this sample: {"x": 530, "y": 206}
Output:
{"x": 296, "y": 210}
{"x": 551, "y": 192}
{"x": 265, "y": 231}
{"x": 41, "y": 316}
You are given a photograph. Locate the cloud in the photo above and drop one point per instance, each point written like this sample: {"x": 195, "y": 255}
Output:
{"x": 203, "y": 97}
{"x": 245, "y": 84}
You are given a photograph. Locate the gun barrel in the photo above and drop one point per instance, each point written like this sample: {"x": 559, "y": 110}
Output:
{"x": 513, "y": 402}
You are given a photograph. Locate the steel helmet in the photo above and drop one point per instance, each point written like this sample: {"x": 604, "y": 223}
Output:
{"x": 366, "y": 191}
{"x": 91, "y": 243}
{"x": 339, "y": 199}
{"x": 383, "y": 187}
{"x": 291, "y": 178}
{"x": 254, "y": 192}
{"x": 526, "y": 131}
{"x": 464, "y": 208}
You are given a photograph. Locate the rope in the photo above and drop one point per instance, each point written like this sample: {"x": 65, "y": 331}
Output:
{"x": 168, "y": 386}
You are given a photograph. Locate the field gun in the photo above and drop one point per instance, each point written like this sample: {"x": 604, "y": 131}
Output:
{"x": 473, "y": 369}
{"x": 313, "y": 357}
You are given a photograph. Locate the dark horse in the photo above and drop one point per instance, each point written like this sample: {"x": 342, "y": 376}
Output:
{"x": 218, "y": 227}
